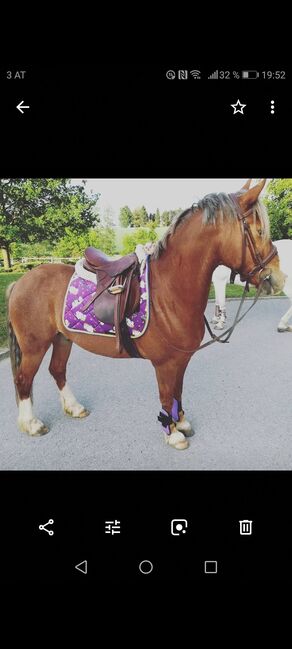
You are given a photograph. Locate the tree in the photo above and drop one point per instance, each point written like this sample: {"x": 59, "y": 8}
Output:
{"x": 126, "y": 217}
{"x": 154, "y": 217}
{"x": 157, "y": 217}
{"x": 73, "y": 245}
{"x": 108, "y": 217}
{"x": 107, "y": 240}
{"x": 278, "y": 201}
{"x": 34, "y": 209}
{"x": 168, "y": 216}
{"x": 165, "y": 218}
{"x": 140, "y": 217}
{"x": 106, "y": 233}
{"x": 41, "y": 249}
{"x": 141, "y": 235}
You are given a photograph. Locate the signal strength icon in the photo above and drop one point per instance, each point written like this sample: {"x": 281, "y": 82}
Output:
{"x": 214, "y": 75}
{"x": 196, "y": 74}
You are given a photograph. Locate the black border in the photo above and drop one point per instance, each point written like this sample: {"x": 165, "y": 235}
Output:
{"x": 129, "y": 121}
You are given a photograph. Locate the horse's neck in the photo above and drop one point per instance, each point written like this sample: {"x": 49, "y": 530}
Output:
{"x": 184, "y": 270}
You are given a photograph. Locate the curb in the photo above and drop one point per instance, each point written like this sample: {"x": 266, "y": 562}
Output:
{"x": 4, "y": 353}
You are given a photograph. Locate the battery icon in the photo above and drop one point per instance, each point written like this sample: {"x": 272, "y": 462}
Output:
{"x": 250, "y": 74}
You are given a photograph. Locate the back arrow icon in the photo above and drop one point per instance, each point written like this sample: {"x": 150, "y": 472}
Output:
{"x": 82, "y": 567}
{"x": 20, "y": 106}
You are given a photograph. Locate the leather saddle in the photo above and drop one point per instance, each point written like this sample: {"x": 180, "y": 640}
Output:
{"x": 117, "y": 294}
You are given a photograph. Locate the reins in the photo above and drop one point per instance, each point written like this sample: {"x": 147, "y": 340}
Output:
{"x": 237, "y": 319}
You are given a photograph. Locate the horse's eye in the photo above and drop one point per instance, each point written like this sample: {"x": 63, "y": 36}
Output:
{"x": 260, "y": 232}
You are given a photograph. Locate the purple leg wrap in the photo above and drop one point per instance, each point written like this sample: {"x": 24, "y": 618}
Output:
{"x": 166, "y": 419}
{"x": 176, "y": 407}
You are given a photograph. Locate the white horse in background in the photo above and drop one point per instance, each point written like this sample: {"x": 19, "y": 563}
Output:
{"x": 221, "y": 277}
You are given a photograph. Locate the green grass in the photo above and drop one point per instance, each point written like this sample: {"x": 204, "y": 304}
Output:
{"x": 233, "y": 290}
{"x": 5, "y": 280}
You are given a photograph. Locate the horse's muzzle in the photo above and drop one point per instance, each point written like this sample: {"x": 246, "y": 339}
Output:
{"x": 273, "y": 281}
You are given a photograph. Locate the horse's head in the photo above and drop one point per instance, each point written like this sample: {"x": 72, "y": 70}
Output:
{"x": 256, "y": 256}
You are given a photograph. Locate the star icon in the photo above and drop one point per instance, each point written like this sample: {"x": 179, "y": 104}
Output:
{"x": 238, "y": 107}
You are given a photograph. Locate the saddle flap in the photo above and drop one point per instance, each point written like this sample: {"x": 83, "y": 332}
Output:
{"x": 104, "y": 307}
{"x": 105, "y": 303}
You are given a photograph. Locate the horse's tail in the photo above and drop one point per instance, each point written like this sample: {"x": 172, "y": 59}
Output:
{"x": 15, "y": 351}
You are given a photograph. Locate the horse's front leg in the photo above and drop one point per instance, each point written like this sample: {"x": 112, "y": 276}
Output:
{"x": 178, "y": 415}
{"x": 166, "y": 374}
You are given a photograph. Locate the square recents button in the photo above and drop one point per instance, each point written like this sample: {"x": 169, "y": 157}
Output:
{"x": 210, "y": 567}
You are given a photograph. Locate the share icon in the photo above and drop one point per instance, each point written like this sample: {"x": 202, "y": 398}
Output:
{"x": 44, "y": 527}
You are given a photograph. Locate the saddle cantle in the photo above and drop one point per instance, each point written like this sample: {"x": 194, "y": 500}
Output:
{"x": 117, "y": 294}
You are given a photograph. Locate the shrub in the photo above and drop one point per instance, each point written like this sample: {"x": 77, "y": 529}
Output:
{"x": 141, "y": 235}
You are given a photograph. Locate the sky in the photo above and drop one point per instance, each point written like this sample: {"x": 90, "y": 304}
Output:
{"x": 165, "y": 194}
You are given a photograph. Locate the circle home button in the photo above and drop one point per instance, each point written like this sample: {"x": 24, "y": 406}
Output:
{"x": 146, "y": 567}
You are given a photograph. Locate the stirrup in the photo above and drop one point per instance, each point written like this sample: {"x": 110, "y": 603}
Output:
{"x": 116, "y": 289}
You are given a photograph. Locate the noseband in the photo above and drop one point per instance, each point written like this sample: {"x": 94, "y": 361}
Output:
{"x": 249, "y": 241}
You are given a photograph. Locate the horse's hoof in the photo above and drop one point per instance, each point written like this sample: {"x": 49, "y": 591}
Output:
{"x": 34, "y": 427}
{"x": 220, "y": 325}
{"x": 177, "y": 440}
{"x": 84, "y": 413}
{"x": 282, "y": 330}
{"x": 76, "y": 411}
{"x": 184, "y": 426}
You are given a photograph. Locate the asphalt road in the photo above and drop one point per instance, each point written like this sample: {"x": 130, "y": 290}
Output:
{"x": 238, "y": 397}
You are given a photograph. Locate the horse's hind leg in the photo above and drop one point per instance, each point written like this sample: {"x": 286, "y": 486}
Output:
{"x": 23, "y": 382}
{"x": 61, "y": 352}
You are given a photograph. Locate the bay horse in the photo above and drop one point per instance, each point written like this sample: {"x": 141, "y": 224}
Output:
{"x": 221, "y": 278}
{"x": 219, "y": 229}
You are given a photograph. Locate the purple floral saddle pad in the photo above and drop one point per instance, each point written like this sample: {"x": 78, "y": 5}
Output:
{"x": 81, "y": 287}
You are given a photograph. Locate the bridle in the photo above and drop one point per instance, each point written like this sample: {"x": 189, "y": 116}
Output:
{"x": 248, "y": 241}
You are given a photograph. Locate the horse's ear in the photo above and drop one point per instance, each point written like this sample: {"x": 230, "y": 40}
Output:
{"x": 247, "y": 185}
{"x": 251, "y": 195}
